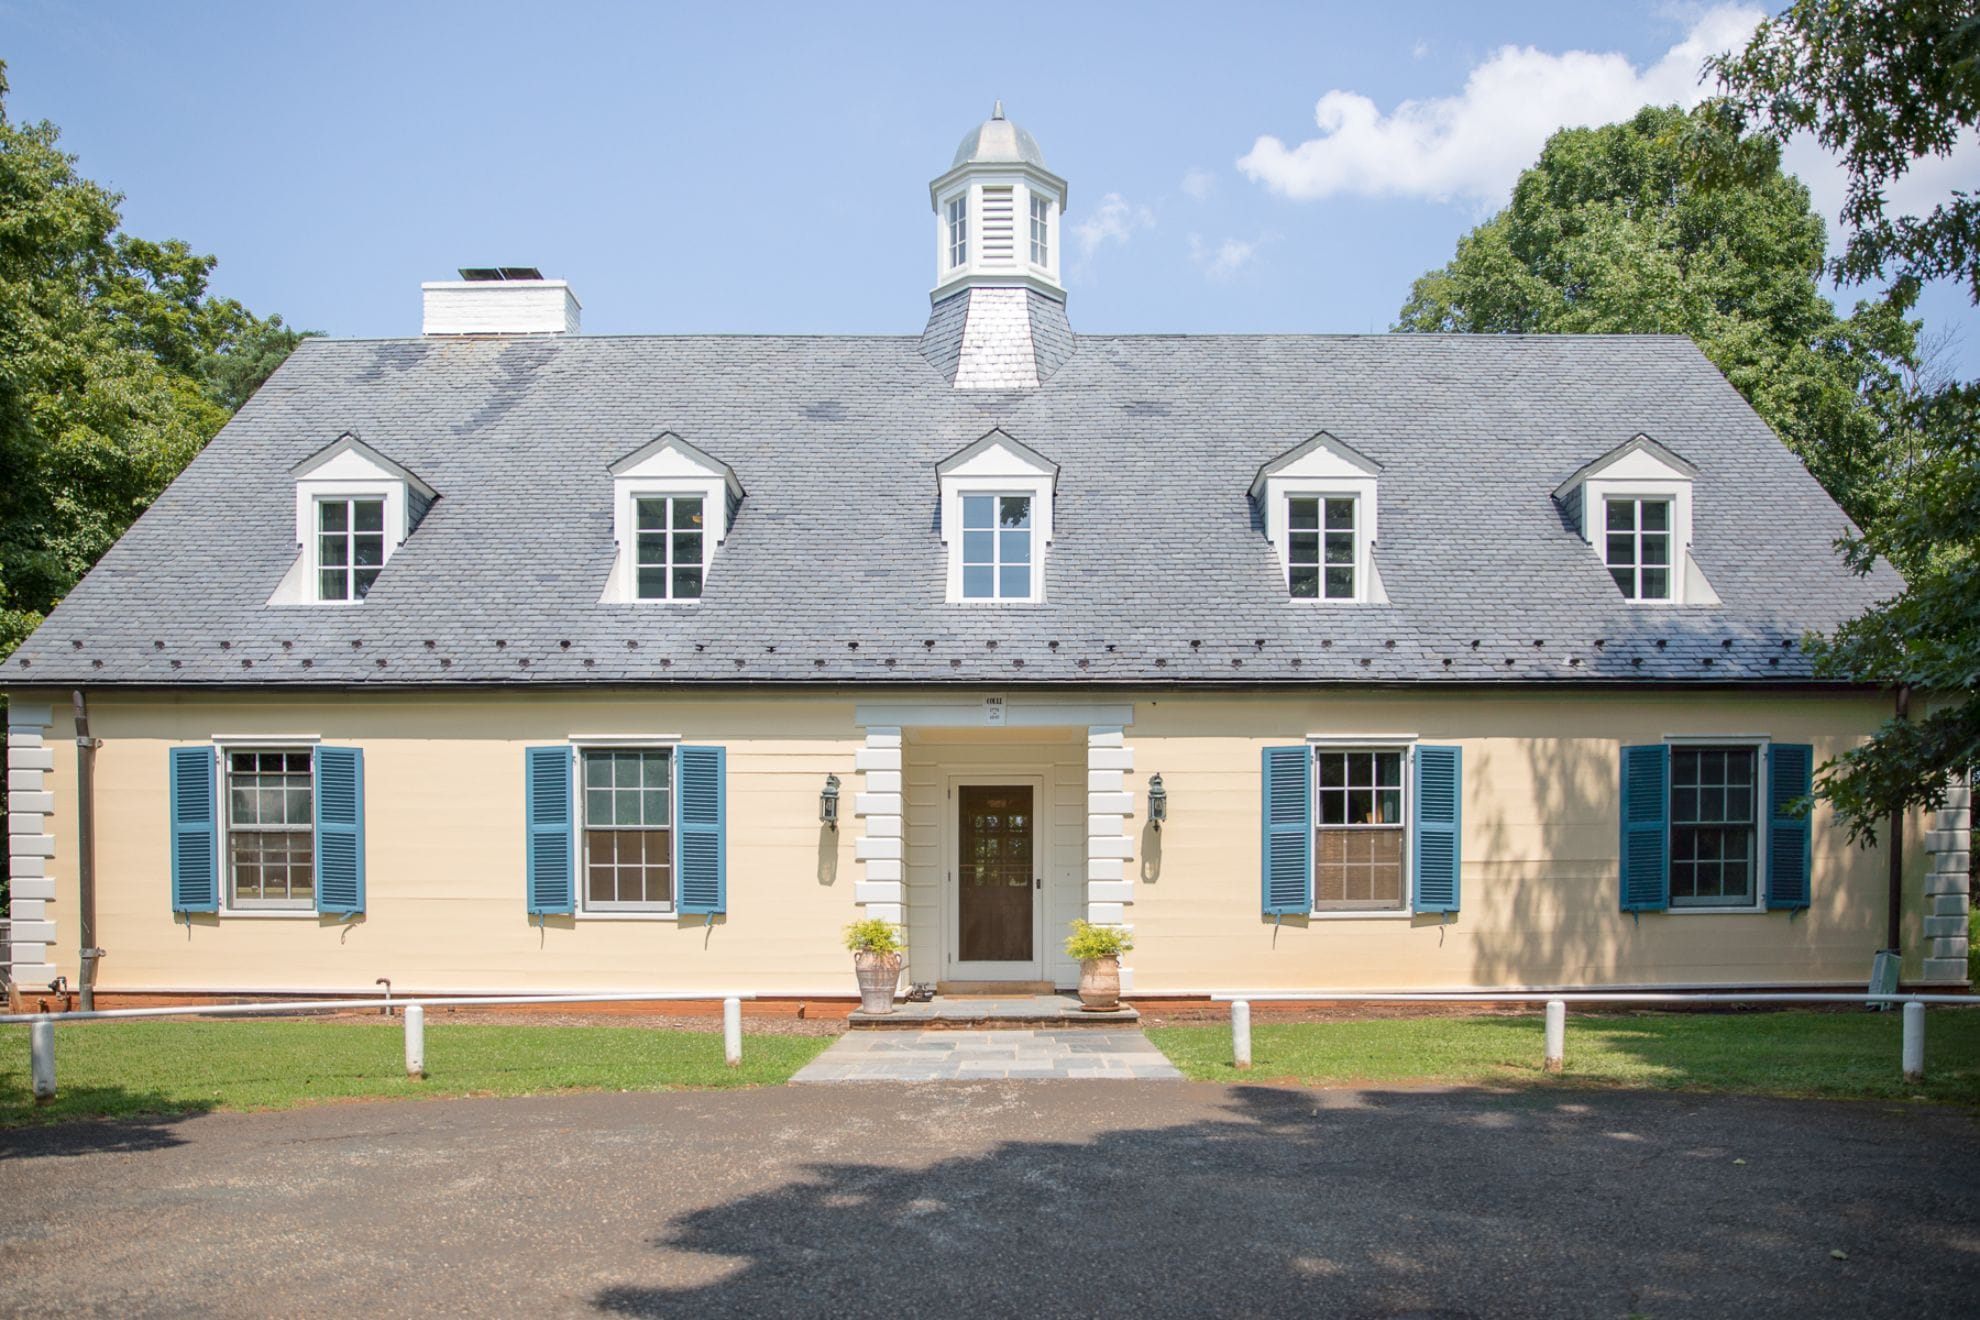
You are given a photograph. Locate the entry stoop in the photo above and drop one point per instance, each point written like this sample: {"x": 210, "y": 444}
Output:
{"x": 990, "y": 1012}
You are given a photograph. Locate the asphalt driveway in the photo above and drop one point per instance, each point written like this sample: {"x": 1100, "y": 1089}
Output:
{"x": 1044, "y": 1198}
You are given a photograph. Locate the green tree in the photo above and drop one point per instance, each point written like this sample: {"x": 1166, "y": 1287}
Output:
{"x": 1610, "y": 232}
{"x": 1885, "y": 84}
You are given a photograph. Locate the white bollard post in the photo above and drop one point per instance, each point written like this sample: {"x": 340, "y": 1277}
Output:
{"x": 1914, "y": 1042}
{"x": 1556, "y": 1035}
{"x": 732, "y": 1032}
{"x": 415, "y": 1016}
{"x": 41, "y": 1059}
{"x": 1241, "y": 1033}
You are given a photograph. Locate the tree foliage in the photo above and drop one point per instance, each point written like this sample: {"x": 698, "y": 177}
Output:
{"x": 1886, "y": 84}
{"x": 1610, "y": 232}
{"x": 116, "y": 366}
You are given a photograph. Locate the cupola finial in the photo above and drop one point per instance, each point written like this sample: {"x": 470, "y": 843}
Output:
{"x": 997, "y": 111}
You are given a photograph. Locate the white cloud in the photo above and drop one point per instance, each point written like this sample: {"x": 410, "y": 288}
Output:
{"x": 1199, "y": 184}
{"x": 1115, "y": 220}
{"x": 1419, "y": 50}
{"x": 1225, "y": 259}
{"x": 1473, "y": 145}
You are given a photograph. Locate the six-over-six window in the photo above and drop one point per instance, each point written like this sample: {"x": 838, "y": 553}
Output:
{"x": 350, "y": 547}
{"x": 628, "y": 830}
{"x": 1638, "y": 547}
{"x": 997, "y": 557}
{"x": 1320, "y": 550}
{"x": 671, "y": 547}
{"x": 1358, "y": 827}
{"x": 271, "y": 829}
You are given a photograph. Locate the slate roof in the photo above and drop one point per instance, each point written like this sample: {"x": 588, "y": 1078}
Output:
{"x": 834, "y": 571}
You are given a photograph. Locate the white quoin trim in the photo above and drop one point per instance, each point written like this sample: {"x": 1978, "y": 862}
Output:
{"x": 30, "y": 844}
{"x": 1949, "y": 843}
{"x": 881, "y": 850}
{"x": 1109, "y": 848}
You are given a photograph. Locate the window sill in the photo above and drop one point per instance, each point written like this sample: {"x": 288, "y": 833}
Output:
{"x": 1402, "y": 915}
{"x": 667, "y": 915}
{"x": 269, "y": 914}
{"x": 1676, "y": 911}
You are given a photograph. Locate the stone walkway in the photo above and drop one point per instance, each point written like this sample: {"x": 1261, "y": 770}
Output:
{"x": 988, "y": 1056}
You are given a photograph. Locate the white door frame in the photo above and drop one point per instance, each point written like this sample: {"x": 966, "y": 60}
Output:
{"x": 953, "y": 968}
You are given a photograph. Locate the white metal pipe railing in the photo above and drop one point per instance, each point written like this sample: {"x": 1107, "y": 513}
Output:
{"x": 337, "y": 1005}
{"x": 41, "y": 1026}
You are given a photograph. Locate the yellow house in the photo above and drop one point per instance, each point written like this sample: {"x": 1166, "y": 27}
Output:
{"x": 510, "y": 659}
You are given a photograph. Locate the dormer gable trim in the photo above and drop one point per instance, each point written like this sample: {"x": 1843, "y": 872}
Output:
{"x": 1675, "y": 466}
{"x": 1321, "y": 455}
{"x": 649, "y": 461}
{"x": 362, "y": 464}
{"x": 998, "y": 453}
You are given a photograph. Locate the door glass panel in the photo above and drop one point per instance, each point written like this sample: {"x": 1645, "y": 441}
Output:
{"x": 994, "y": 869}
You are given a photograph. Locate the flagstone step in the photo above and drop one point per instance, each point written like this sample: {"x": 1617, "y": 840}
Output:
{"x": 976, "y": 1012}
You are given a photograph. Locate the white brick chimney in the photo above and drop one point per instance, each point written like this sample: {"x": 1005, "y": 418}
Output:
{"x": 500, "y": 300}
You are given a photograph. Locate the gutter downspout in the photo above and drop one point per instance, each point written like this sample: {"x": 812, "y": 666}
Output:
{"x": 86, "y": 854}
{"x": 1895, "y": 902}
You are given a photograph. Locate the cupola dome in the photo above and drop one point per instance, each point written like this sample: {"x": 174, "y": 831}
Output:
{"x": 998, "y": 141}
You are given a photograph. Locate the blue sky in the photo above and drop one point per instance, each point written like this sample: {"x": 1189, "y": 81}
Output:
{"x": 738, "y": 168}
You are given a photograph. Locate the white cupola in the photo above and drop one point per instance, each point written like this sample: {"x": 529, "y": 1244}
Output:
{"x": 999, "y": 318}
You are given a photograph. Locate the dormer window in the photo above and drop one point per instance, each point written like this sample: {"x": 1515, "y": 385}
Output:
{"x": 350, "y": 547}
{"x": 672, "y": 506}
{"x": 958, "y": 230}
{"x": 1633, "y": 507}
{"x": 996, "y": 519}
{"x": 1041, "y": 230}
{"x": 1637, "y": 547}
{"x": 672, "y": 547}
{"x": 997, "y": 554}
{"x": 354, "y": 509}
{"x": 1317, "y": 501}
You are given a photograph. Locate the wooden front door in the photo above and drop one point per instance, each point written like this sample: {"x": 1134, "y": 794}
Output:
{"x": 996, "y": 881}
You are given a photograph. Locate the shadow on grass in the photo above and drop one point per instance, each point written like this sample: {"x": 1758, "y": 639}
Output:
{"x": 1380, "y": 1202}
{"x": 90, "y": 1120}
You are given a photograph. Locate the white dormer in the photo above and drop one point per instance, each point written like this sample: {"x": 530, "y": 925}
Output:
{"x": 996, "y": 519}
{"x": 354, "y": 509}
{"x": 672, "y": 505}
{"x": 997, "y": 213}
{"x": 1318, "y": 503}
{"x": 1633, "y": 507}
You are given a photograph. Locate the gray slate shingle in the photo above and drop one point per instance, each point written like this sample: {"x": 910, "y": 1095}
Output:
{"x": 833, "y": 572}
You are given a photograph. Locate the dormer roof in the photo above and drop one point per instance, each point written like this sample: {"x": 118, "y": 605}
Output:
{"x": 1654, "y": 460}
{"x": 349, "y": 458}
{"x": 1321, "y": 454}
{"x": 651, "y": 459}
{"x": 984, "y": 452}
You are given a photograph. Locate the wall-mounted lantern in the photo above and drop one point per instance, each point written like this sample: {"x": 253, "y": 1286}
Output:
{"x": 1158, "y": 802}
{"x": 828, "y": 802}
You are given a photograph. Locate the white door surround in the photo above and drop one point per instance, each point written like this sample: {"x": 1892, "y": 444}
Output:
{"x": 953, "y": 966}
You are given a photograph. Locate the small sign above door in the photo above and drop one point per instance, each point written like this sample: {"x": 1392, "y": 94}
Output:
{"x": 993, "y": 710}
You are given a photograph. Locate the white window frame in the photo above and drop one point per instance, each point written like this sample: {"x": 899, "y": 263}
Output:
{"x": 707, "y": 545}
{"x": 1762, "y": 818}
{"x": 1317, "y": 744}
{"x": 586, "y": 910}
{"x": 317, "y": 567}
{"x": 997, "y": 533}
{"x": 955, "y": 212}
{"x": 1595, "y": 514}
{"x": 1040, "y": 249}
{"x": 1279, "y": 528}
{"x": 223, "y": 826}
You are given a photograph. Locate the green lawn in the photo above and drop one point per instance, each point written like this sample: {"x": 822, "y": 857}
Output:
{"x": 107, "y": 1069}
{"x": 1815, "y": 1054}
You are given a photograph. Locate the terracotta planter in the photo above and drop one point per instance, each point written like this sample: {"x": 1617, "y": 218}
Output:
{"x": 879, "y": 974}
{"x": 1100, "y": 985}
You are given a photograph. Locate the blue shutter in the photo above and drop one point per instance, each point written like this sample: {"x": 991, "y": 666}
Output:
{"x": 701, "y": 818}
{"x": 1288, "y": 841}
{"x": 1434, "y": 851}
{"x": 195, "y": 851}
{"x": 1646, "y": 837}
{"x": 1790, "y": 775}
{"x": 550, "y": 866}
{"x": 339, "y": 830}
